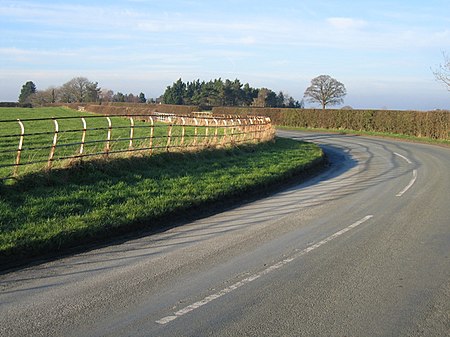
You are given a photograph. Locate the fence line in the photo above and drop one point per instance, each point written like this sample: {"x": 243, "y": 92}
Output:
{"x": 143, "y": 133}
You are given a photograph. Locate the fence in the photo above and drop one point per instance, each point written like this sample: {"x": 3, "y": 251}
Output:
{"x": 56, "y": 140}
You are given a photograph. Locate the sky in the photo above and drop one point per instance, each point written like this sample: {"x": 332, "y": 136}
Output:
{"x": 384, "y": 52}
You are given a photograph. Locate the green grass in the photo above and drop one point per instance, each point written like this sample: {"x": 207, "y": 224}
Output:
{"x": 70, "y": 133}
{"x": 47, "y": 212}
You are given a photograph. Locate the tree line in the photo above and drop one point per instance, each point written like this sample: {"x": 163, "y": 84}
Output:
{"x": 324, "y": 90}
{"x": 225, "y": 93}
{"x": 77, "y": 90}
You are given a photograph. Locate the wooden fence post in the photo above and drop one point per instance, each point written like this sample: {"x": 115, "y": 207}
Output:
{"x": 206, "y": 131}
{"x": 216, "y": 131}
{"x": 53, "y": 148}
{"x": 108, "y": 137}
{"x": 151, "y": 134}
{"x": 195, "y": 131}
{"x": 232, "y": 131}
{"x": 130, "y": 146}
{"x": 240, "y": 135}
{"x": 183, "y": 130}
{"x": 224, "y": 138}
{"x": 19, "y": 149}
{"x": 169, "y": 133}
{"x": 83, "y": 136}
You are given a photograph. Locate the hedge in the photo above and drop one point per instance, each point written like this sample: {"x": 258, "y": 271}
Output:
{"x": 429, "y": 124}
{"x": 15, "y": 105}
{"x": 132, "y": 109}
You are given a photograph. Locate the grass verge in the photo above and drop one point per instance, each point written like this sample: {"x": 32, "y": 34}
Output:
{"x": 96, "y": 200}
{"x": 374, "y": 134}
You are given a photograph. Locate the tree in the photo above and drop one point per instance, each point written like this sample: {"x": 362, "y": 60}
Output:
{"x": 107, "y": 95}
{"x": 229, "y": 98}
{"x": 131, "y": 98}
{"x": 225, "y": 93}
{"x": 93, "y": 93}
{"x": 281, "y": 100}
{"x": 192, "y": 93}
{"x": 443, "y": 73}
{"x": 119, "y": 97}
{"x": 211, "y": 93}
{"x": 174, "y": 94}
{"x": 325, "y": 90}
{"x": 80, "y": 89}
{"x": 46, "y": 96}
{"x": 260, "y": 100}
{"x": 249, "y": 94}
{"x": 271, "y": 100}
{"x": 292, "y": 103}
{"x": 28, "y": 89}
{"x": 238, "y": 93}
{"x": 142, "y": 98}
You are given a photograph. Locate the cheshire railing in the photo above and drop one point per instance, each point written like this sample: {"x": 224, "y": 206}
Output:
{"x": 45, "y": 142}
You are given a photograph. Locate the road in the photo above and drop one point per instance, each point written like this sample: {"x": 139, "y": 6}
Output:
{"x": 363, "y": 249}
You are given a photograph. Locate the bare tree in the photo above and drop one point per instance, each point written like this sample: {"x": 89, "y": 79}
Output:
{"x": 325, "y": 90}
{"x": 80, "y": 89}
{"x": 42, "y": 97}
{"x": 443, "y": 73}
{"x": 106, "y": 95}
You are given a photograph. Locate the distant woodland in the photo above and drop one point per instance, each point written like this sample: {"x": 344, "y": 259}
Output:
{"x": 226, "y": 93}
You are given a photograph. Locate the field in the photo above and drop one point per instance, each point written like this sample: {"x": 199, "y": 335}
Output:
{"x": 47, "y": 142}
{"x": 97, "y": 199}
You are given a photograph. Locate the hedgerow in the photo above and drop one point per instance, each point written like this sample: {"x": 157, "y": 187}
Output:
{"x": 429, "y": 124}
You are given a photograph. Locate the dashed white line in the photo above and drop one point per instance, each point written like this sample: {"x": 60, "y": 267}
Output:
{"x": 256, "y": 276}
{"x": 401, "y": 156}
{"x": 413, "y": 180}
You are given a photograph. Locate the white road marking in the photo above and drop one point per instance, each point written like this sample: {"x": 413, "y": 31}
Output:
{"x": 413, "y": 180}
{"x": 398, "y": 154}
{"x": 256, "y": 276}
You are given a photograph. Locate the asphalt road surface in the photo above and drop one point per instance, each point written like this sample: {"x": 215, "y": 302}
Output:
{"x": 363, "y": 249}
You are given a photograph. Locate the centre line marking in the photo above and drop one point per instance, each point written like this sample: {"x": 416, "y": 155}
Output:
{"x": 256, "y": 276}
{"x": 398, "y": 154}
{"x": 413, "y": 180}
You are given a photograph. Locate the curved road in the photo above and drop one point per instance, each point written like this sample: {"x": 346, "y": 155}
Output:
{"x": 361, "y": 250}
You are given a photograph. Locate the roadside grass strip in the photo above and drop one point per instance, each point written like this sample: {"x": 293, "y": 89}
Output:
{"x": 96, "y": 200}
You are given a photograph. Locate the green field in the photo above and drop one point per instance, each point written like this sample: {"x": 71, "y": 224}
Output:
{"x": 39, "y": 135}
{"x": 94, "y": 200}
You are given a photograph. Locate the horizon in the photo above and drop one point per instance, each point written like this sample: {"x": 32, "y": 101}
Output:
{"x": 384, "y": 52}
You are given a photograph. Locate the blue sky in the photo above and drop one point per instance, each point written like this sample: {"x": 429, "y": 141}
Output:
{"x": 383, "y": 51}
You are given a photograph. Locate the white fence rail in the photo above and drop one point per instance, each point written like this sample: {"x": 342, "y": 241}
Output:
{"x": 46, "y": 141}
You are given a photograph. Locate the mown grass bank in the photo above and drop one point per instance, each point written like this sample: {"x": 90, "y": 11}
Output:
{"x": 97, "y": 200}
